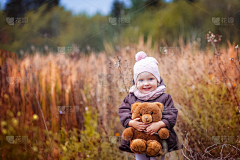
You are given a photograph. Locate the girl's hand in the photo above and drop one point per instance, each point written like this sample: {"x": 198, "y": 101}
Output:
{"x": 153, "y": 128}
{"x": 140, "y": 126}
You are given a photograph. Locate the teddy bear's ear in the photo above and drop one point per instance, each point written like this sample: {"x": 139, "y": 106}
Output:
{"x": 134, "y": 105}
{"x": 160, "y": 105}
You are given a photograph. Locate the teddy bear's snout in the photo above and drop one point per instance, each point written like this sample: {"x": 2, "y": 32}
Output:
{"x": 147, "y": 118}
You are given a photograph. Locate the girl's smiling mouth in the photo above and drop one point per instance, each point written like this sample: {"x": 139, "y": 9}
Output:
{"x": 147, "y": 88}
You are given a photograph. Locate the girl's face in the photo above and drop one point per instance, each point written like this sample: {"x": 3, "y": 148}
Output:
{"x": 146, "y": 82}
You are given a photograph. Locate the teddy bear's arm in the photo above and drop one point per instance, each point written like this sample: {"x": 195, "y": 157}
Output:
{"x": 163, "y": 133}
{"x": 128, "y": 133}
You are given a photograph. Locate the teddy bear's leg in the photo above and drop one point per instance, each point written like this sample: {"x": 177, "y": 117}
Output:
{"x": 138, "y": 146}
{"x": 128, "y": 133}
{"x": 163, "y": 133}
{"x": 153, "y": 148}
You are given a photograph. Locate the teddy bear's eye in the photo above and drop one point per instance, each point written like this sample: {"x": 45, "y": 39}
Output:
{"x": 140, "y": 114}
{"x": 151, "y": 112}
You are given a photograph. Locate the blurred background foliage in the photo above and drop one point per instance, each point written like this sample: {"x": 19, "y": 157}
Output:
{"x": 206, "y": 109}
{"x": 50, "y": 26}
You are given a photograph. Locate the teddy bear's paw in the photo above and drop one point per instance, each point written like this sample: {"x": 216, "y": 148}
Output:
{"x": 138, "y": 146}
{"x": 127, "y": 134}
{"x": 153, "y": 148}
{"x": 163, "y": 133}
{"x": 127, "y": 137}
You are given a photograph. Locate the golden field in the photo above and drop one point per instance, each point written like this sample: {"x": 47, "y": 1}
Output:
{"x": 90, "y": 89}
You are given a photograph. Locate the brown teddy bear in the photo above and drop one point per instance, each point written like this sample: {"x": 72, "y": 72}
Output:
{"x": 140, "y": 141}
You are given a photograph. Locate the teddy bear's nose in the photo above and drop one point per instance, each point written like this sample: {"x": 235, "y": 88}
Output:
{"x": 146, "y": 117}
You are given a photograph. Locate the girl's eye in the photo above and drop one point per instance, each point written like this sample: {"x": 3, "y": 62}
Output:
{"x": 151, "y": 112}
{"x": 140, "y": 114}
{"x": 151, "y": 78}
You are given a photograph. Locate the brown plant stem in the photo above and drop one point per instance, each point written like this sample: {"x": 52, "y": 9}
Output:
{"x": 218, "y": 59}
{"x": 43, "y": 120}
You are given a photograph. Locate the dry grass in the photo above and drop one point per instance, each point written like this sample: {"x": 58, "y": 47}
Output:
{"x": 101, "y": 82}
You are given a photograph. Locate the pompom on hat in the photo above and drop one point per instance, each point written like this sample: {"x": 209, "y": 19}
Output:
{"x": 145, "y": 64}
{"x": 140, "y": 55}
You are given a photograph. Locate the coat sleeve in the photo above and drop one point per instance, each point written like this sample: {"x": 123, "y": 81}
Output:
{"x": 170, "y": 112}
{"x": 124, "y": 112}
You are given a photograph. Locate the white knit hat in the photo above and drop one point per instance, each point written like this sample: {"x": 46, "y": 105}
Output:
{"x": 145, "y": 63}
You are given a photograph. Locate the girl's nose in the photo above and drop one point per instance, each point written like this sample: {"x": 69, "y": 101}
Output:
{"x": 146, "y": 82}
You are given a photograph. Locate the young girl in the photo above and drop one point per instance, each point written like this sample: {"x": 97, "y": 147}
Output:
{"x": 148, "y": 86}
